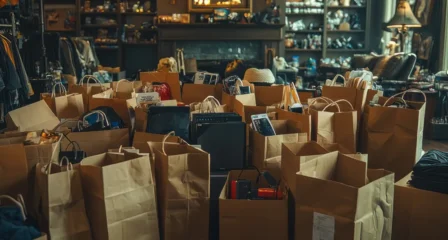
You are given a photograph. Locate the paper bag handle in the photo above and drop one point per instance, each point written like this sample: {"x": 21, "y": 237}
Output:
{"x": 404, "y": 93}
{"x": 22, "y": 211}
{"x": 123, "y": 80}
{"x": 336, "y": 78}
{"x": 90, "y": 77}
{"x": 61, "y": 89}
{"x": 172, "y": 133}
{"x": 337, "y": 104}
{"x": 238, "y": 84}
{"x": 213, "y": 101}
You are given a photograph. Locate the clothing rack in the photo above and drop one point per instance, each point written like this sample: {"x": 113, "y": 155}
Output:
{"x": 12, "y": 25}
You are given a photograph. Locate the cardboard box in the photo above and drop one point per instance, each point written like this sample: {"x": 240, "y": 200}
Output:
{"x": 419, "y": 214}
{"x": 336, "y": 202}
{"x": 266, "y": 150}
{"x": 172, "y": 79}
{"x": 251, "y": 219}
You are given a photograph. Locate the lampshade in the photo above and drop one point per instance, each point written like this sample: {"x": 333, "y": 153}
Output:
{"x": 403, "y": 17}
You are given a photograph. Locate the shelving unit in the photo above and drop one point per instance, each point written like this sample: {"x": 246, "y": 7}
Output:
{"x": 130, "y": 56}
{"x": 362, "y": 35}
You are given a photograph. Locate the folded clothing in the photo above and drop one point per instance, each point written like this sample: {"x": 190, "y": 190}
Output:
{"x": 431, "y": 172}
{"x": 12, "y": 226}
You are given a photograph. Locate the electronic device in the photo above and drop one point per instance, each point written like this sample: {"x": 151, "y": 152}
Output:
{"x": 217, "y": 181}
{"x": 199, "y": 119}
{"x": 244, "y": 89}
{"x": 206, "y": 78}
{"x": 164, "y": 119}
{"x": 262, "y": 124}
{"x": 226, "y": 143}
{"x": 243, "y": 189}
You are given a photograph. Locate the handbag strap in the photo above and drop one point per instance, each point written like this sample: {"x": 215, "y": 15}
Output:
{"x": 100, "y": 113}
{"x": 403, "y": 94}
{"x": 238, "y": 84}
{"x": 16, "y": 202}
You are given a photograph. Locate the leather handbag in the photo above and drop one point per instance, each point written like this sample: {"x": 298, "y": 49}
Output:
{"x": 75, "y": 156}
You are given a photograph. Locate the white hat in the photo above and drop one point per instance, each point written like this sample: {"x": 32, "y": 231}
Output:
{"x": 254, "y": 75}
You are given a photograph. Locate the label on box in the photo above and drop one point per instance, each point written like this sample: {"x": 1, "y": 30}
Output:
{"x": 323, "y": 227}
{"x": 147, "y": 97}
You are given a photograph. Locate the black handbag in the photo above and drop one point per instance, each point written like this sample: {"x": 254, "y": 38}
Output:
{"x": 76, "y": 155}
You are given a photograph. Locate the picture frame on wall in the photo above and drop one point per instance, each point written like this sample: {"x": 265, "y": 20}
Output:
{"x": 423, "y": 10}
{"x": 60, "y": 17}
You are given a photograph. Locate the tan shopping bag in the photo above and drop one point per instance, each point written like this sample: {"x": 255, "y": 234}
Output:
{"x": 197, "y": 92}
{"x": 418, "y": 214}
{"x": 248, "y": 99}
{"x": 183, "y": 190}
{"x": 13, "y": 170}
{"x": 294, "y": 154}
{"x": 65, "y": 105}
{"x": 120, "y": 196}
{"x": 59, "y": 202}
{"x": 395, "y": 136}
{"x": 248, "y": 219}
{"x": 88, "y": 89}
{"x": 172, "y": 79}
{"x": 269, "y": 95}
{"x": 97, "y": 142}
{"x": 332, "y": 125}
{"x": 336, "y": 202}
{"x": 266, "y": 151}
{"x": 32, "y": 117}
{"x": 304, "y": 119}
{"x": 106, "y": 99}
{"x": 208, "y": 105}
{"x": 124, "y": 89}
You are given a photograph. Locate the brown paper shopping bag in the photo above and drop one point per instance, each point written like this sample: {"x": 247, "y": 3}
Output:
{"x": 88, "y": 89}
{"x": 332, "y": 125}
{"x": 65, "y": 105}
{"x": 208, "y": 105}
{"x": 106, "y": 99}
{"x": 336, "y": 202}
{"x": 125, "y": 89}
{"x": 197, "y": 92}
{"x": 59, "y": 202}
{"x": 172, "y": 79}
{"x": 418, "y": 213}
{"x": 138, "y": 115}
{"x": 269, "y": 95}
{"x": 13, "y": 171}
{"x": 183, "y": 190}
{"x": 120, "y": 196}
{"x": 247, "y": 219}
{"x": 304, "y": 119}
{"x": 294, "y": 154}
{"x": 395, "y": 136}
{"x": 97, "y": 142}
{"x": 228, "y": 99}
{"x": 141, "y": 139}
{"x": 32, "y": 117}
{"x": 266, "y": 151}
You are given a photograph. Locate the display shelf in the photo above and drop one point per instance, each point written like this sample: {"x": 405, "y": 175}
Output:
{"x": 303, "y": 14}
{"x": 139, "y": 14}
{"x": 346, "y": 50}
{"x": 139, "y": 44}
{"x": 99, "y": 26}
{"x": 347, "y": 7}
{"x": 141, "y": 30}
{"x": 99, "y": 13}
{"x": 302, "y": 50}
{"x": 304, "y": 31}
{"x": 345, "y": 31}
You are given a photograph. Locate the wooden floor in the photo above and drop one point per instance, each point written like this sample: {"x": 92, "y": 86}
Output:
{"x": 439, "y": 145}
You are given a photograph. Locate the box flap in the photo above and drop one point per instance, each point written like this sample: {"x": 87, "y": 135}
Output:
{"x": 35, "y": 116}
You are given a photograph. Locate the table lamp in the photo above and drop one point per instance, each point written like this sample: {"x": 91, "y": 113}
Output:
{"x": 403, "y": 20}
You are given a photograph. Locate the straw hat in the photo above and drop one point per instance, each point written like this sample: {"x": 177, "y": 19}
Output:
{"x": 254, "y": 75}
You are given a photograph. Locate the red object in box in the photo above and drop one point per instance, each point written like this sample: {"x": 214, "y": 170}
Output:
{"x": 269, "y": 193}
{"x": 233, "y": 189}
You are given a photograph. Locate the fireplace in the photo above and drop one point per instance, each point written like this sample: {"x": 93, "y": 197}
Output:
{"x": 209, "y": 5}
{"x": 214, "y": 45}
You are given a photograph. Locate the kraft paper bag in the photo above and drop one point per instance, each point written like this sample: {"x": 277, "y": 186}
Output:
{"x": 294, "y": 154}
{"x": 141, "y": 139}
{"x": 137, "y": 115}
{"x": 172, "y": 79}
{"x": 64, "y": 105}
{"x": 125, "y": 89}
{"x": 97, "y": 142}
{"x": 336, "y": 202}
{"x": 395, "y": 136}
{"x": 208, "y": 105}
{"x": 228, "y": 99}
{"x": 330, "y": 124}
{"x": 183, "y": 190}
{"x": 269, "y": 95}
{"x": 266, "y": 151}
{"x": 87, "y": 89}
{"x": 59, "y": 201}
{"x": 106, "y": 99}
{"x": 32, "y": 117}
{"x": 304, "y": 119}
{"x": 197, "y": 92}
{"x": 418, "y": 213}
{"x": 120, "y": 196}
{"x": 13, "y": 171}
{"x": 251, "y": 219}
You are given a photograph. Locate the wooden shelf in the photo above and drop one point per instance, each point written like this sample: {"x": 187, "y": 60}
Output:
{"x": 139, "y": 44}
{"x": 314, "y": 7}
{"x": 99, "y": 13}
{"x": 139, "y": 14}
{"x": 99, "y": 26}
{"x": 346, "y": 31}
{"x": 219, "y": 25}
{"x": 106, "y": 48}
{"x": 63, "y": 30}
{"x": 347, "y": 7}
{"x": 302, "y": 50}
{"x": 304, "y": 31}
{"x": 303, "y": 14}
{"x": 141, "y": 30}
{"x": 346, "y": 50}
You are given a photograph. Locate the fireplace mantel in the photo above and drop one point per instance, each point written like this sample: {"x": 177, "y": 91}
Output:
{"x": 227, "y": 32}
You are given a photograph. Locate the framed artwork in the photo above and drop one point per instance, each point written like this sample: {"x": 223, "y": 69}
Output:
{"x": 60, "y": 17}
{"x": 423, "y": 10}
